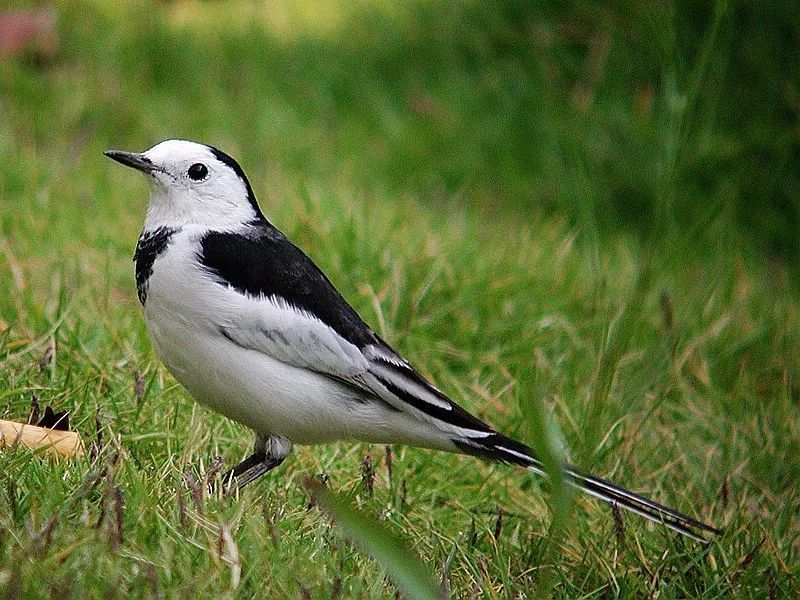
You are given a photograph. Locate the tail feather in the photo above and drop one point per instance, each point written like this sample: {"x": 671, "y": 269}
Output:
{"x": 498, "y": 447}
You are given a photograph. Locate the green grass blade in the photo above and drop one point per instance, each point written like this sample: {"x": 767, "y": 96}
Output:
{"x": 548, "y": 445}
{"x": 380, "y": 542}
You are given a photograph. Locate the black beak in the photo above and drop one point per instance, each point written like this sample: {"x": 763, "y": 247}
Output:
{"x": 132, "y": 159}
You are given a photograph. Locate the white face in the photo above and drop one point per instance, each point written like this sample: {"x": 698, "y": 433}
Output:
{"x": 192, "y": 184}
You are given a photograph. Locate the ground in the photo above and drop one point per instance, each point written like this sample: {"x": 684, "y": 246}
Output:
{"x": 538, "y": 233}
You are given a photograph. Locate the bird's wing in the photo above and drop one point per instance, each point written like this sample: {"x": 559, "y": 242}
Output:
{"x": 289, "y": 310}
{"x": 286, "y": 308}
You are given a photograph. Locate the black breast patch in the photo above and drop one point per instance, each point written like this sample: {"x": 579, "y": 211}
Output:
{"x": 261, "y": 262}
{"x": 150, "y": 245}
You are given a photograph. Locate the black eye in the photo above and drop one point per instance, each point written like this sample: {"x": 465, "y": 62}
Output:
{"x": 197, "y": 172}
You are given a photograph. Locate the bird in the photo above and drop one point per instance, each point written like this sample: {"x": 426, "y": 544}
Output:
{"x": 254, "y": 330}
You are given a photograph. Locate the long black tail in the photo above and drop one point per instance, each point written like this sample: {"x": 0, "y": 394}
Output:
{"x": 501, "y": 448}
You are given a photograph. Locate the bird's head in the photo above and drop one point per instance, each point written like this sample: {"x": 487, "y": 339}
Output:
{"x": 192, "y": 184}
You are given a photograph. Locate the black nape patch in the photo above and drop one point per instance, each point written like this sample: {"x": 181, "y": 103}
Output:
{"x": 260, "y": 261}
{"x": 231, "y": 162}
{"x": 150, "y": 245}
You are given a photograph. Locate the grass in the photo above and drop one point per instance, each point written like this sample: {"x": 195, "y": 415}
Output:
{"x": 593, "y": 259}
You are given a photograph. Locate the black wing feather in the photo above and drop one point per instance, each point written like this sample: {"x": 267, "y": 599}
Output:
{"x": 261, "y": 261}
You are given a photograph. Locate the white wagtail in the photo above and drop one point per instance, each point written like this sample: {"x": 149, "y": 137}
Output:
{"x": 254, "y": 330}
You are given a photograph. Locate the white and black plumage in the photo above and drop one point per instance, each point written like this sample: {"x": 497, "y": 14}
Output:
{"x": 254, "y": 330}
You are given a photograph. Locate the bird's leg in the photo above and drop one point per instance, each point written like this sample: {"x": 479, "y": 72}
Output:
{"x": 269, "y": 452}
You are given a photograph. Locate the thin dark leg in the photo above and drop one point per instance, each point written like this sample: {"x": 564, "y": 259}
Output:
{"x": 269, "y": 452}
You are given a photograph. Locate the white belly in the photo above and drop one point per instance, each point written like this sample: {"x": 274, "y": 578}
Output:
{"x": 183, "y": 313}
{"x": 251, "y": 388}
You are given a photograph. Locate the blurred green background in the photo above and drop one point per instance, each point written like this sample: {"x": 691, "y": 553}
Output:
{"x": 627, "y": 110}
{"x": 593, "y": 207}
